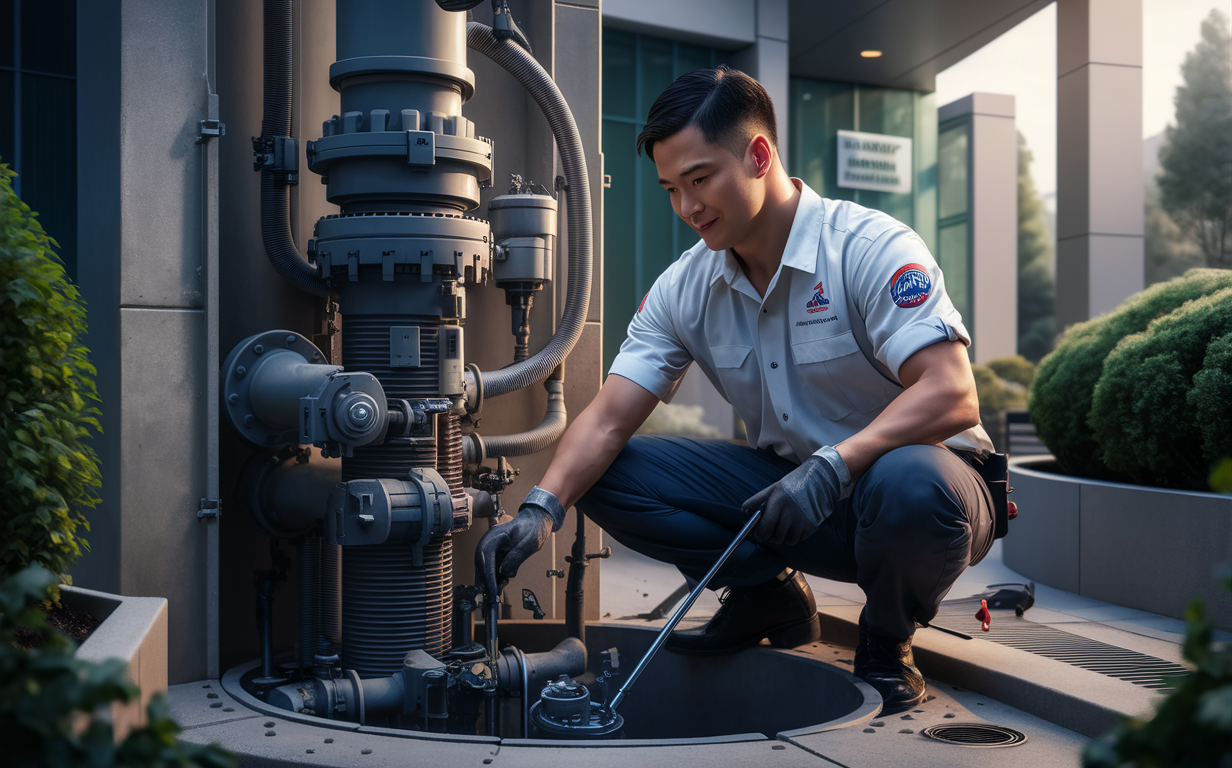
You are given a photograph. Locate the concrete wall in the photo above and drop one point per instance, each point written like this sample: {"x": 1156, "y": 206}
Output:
{"x": 140, "y": 202}
{"x": 994, "y": 221}
{"x": 1099, "y": 151}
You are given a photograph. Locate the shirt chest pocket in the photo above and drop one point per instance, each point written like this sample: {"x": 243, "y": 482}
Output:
{"x": 736, "y": 371}
{"x": 839, "y": 378}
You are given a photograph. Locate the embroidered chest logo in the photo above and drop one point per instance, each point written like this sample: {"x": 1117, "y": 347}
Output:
{"x": 818, "y": 303}
{"x": 910, "y": 286}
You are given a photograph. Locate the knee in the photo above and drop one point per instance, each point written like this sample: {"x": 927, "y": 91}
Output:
{"x": 907, "y": 497}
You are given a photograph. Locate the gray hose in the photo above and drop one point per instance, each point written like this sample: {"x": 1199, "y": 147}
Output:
{"x": 543, "y": 90}
{"x": 276, "y": 121}
{"x": 535, "y": 440}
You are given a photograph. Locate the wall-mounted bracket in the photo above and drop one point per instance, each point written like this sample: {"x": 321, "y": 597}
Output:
{"x": 210, "y": 129}
{"x": 209, "y": 508}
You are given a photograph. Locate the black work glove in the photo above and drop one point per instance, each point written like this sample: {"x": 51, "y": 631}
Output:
{"x": 505, "y": 547}
{"x": 796, "y": 506}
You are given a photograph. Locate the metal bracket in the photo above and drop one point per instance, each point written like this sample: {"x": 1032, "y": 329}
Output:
{"x": 209, "y": 508}
{"x": 210, "y": 129}
{"x": 279, "y": 154}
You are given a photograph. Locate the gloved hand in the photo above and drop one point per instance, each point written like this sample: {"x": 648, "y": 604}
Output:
{"x": 796, "y": 506}
{"x": 503, "y": 549}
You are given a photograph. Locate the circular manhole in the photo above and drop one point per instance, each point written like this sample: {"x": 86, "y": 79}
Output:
{"x": 975, "y": 735}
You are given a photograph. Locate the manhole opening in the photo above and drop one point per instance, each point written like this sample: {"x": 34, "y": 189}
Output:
{"x": 975, "y": 735}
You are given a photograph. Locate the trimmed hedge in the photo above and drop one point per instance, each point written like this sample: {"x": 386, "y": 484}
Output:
{"x": 1142, "y": 413}
{"x": 1062, "y": 395}
{"x": 48, "y": 472}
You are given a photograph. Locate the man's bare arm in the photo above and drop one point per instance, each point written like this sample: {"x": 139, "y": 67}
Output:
{"x": 939, "y": 402}
{"x": 595, "y": 437}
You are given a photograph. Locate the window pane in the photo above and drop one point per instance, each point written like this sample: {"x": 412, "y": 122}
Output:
{"x": 7, "y": 113}
{"x": 49, "y": 36}
{"x": 620, "y": 297}
{"x": 619, "y": 84}
{"x": 6, "y": 33}
{"x": 49, "y": 157}
{"x": 887, "y": 111}
{"x": 819, "y": 110}
{"x": 656, "y": 72}
{"x": 952, "y": 171}
{"x": 691, "y": 57}
{"x": 954, "y": 259}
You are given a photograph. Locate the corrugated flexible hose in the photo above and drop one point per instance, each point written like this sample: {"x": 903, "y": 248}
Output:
{"x": 543, "y": 90}
{"x": 542, "y": 436}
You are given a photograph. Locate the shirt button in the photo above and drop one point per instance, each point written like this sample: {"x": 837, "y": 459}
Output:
{"x": 774, "y": 365}
{"x": 784, "y": 417}
{"x": 764, "y": 311}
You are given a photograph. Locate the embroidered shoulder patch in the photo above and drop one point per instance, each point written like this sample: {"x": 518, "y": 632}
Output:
{"x": 910, "y": 286}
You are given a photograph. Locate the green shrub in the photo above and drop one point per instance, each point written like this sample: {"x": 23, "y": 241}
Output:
{"x": 49, "y": 473}
{"x": 1141, "y": 412}
{"x": 1060, "y": 399}
{"x": 1017, "y": 369}
{"x": 1193, "y": 725}
{"x": 1211, "y": 399}
{"x": 46, "y": 691}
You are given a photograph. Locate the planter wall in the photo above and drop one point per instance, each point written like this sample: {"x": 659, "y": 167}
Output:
{"x": 134, "y": 630}
{"x": 1147, "y": 548}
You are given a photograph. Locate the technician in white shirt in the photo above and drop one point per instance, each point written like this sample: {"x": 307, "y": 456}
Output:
{"x": 827, "y": 327}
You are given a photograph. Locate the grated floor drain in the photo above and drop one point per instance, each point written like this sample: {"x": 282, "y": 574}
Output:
{"x": 1050, "y": 642}
{"x": 975, "y": 735}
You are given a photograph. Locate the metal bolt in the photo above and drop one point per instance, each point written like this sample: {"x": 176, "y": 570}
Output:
{"x": 259, "y": 349}
{"x": 249, "y": 420}
{"x": 233, "y": 398}
{"x": 360, "y": 415}
{"x": 290, "y": 340}
{"x": 240, "y": 371}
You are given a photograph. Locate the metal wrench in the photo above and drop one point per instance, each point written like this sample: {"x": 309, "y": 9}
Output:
{"x": 682, "y": 610}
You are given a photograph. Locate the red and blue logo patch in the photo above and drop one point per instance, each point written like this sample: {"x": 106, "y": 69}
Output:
{"x": 818, "y": 303}
{"x": 910, "y": 286}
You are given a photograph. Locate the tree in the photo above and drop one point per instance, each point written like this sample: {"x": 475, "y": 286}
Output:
{"x": 1195, "y": 182}
{"x": 1036, "y": 289}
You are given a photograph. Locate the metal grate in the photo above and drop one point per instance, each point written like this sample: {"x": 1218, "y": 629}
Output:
{"x": 1053, "y": 643}
{"x": 975, "y": 735}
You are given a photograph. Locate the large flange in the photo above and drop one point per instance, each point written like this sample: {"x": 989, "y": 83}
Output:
{"x": 241, "y": 368}
{"x": 424, "y": 244}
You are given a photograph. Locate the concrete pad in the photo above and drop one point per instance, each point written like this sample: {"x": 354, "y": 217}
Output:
{"x": 896, "y": 740}
{"x": 272, "y": 741}
{"x": 204, "y": 702}
{"x": 763, "y": 754}
{"x": 1076, "y": 698}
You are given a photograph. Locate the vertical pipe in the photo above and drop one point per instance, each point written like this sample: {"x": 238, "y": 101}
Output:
{"x": 308, "y": 555}
{"x": 575, "y": 587}
{"x": 209, "y": 233}
{"x": 265, "y": 623}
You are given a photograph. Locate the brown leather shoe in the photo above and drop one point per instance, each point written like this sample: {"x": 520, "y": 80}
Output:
{"x": 889, "y": 666}
{"x": 783, "y": 611}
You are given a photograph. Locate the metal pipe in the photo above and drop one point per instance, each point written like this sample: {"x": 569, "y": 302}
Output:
{"x": 682, "y": 610}
{"x": 265, "y": 623}
{"x": 525, "y": 694}
{"x": 309, "y": 584}
{"x": 539, "y": 84}
{"x": 549, "y": 430}
{"x": 575, "y": 587}
{"x": 493, "y": 612}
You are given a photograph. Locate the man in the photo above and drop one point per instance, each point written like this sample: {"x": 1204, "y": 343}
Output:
{"x": 827, "y": 327}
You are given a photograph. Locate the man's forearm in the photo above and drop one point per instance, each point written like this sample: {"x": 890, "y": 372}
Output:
{"x": 936, "y": 405}
{"x": 585, "y": 452}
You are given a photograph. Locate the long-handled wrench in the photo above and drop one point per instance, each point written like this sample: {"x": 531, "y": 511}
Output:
{"x": 682, "y": 610}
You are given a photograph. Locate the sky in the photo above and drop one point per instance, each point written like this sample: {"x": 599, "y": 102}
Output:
{"x": 1023, "y": 62}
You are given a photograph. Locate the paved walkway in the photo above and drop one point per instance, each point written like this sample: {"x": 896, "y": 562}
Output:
{"x": 632, "y": 584}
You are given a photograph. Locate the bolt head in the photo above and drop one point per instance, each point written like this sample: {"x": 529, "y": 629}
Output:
{"x": 361, "y": 414}
{"x": 290, "y": 340}
{"x": 233, "y": 398}
{"x": 259, "y": 349}
{"x": 240, "y": 371}
{"x": 249, "y": 420}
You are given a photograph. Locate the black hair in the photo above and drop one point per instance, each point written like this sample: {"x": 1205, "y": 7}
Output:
{"x": 726, "y": 104}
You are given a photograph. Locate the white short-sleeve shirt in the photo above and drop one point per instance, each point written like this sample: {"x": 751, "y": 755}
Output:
{"x": 815, "y": 360}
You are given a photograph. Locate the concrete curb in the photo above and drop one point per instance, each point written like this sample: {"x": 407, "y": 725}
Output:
{"x": 1072, "y": 697}
{"x": 134, "y": 630}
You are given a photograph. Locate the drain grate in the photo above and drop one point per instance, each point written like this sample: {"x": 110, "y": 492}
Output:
{"x": 975, "y": 735}
{"x": 1050, "y": 642}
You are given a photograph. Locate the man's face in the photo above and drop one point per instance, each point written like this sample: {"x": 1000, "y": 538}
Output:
{"x": 715, "y": 192}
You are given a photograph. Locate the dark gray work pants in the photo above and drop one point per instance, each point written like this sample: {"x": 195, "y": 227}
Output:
{"x": 915, "y": 520}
